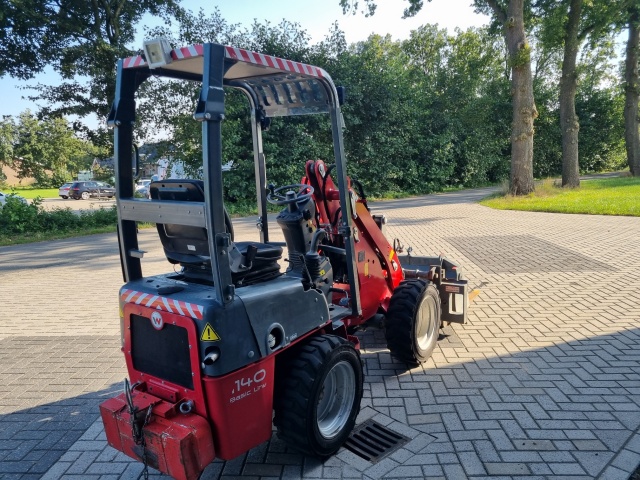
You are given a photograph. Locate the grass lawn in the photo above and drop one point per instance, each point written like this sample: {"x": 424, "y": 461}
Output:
{"x": 606, "y": 196}
{"x": 32, "y": 193}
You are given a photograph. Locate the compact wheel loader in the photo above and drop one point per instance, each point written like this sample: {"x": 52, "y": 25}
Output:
{"x": 231, "y": 341}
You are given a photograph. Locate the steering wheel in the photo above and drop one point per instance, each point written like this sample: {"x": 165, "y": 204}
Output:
{"x": 286, "y": 195}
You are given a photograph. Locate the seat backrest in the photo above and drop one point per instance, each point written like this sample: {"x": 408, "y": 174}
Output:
{"x": 189, "y": 245}
{"x": 182, "y": 243}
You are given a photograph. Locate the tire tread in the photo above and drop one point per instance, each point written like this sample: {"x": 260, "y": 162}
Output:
{"x": 400, "y": 318}
{"x": 292, "y": 402}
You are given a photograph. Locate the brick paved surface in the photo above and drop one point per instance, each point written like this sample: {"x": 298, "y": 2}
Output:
{"x": 543, "y": 382}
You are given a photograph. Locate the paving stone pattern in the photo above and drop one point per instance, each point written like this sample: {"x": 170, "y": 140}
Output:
{"x": 542, "y": 382}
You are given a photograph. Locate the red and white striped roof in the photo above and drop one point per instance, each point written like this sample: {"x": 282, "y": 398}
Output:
{"x": 189, "y": 59}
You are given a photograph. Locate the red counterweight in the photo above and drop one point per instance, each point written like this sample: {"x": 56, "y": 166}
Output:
{"x": 180, "y": 445}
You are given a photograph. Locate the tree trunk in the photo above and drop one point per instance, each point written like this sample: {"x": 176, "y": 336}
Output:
{"x": 524, "y": 108}
{"x": 569, "y": 124}
{"x": 632, "y": 93}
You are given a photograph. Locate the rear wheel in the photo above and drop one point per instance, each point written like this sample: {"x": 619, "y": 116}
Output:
{"x": 85, "y": 195}
{"x": 413, "y": 320}
{"x": 318, "y": 400}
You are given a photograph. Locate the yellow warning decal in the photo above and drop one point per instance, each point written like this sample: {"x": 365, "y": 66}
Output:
{"x": 366, "y": 269}
{"x": 209, "y": 334}
{"x": 391, "y": 254}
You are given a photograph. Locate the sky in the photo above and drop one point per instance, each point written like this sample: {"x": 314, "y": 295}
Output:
{"x": 316, "y": 20}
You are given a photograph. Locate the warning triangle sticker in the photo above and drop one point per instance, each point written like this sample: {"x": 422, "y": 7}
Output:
{"x": 209, "y": 334}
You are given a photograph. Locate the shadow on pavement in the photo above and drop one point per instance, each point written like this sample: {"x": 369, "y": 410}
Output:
{"x": 50, "y": 389}
{"x": 575, "y": 405}
{"x": 579, "y": 400}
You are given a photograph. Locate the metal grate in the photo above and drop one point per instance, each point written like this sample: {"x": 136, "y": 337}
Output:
{"x": 373, "y": 442}
{"x": 163, "y": 354}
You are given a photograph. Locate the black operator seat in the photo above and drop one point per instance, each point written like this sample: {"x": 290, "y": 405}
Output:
{"x": 189, "y": 247}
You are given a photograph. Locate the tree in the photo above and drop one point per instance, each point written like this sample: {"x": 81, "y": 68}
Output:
{"x": 352, "y": 6}
{"x": 46, "y": 150}
{"x": 510, "y": 15}
{"x": 632, "y": 90}
{"x": 600, "y": 107}
{"x": 567, "y": 24}
{"x": 23, "y": 36}
{"x": 547, "y": 142}
{"x": 79, "y": 38}
{"x": 7, "y": 139}
{"x": 569, "y": 123}
{"x": 460, "y": 96}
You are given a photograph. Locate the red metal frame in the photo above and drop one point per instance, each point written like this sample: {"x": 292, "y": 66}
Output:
{"x": 231, "y": 413}
{"x": 379, "y": 271}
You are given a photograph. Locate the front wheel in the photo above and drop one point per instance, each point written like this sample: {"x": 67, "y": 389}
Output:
{"x": 413, "y": 320}
{"x": 319, "y": 398}
{"x": 85, "y": 195}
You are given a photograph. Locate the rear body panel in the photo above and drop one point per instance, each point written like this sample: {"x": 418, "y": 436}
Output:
{"x": 165, "y": 339}
{"x": 239, "y": 330}
{"x": 161, "y": 349}
{"x": 241, "y": 406}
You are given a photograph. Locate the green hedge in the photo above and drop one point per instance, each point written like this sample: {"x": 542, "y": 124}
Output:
{"x": 18, "y": 218}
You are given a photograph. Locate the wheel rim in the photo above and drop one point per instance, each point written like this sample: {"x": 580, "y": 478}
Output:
{"x": 424, "y": 325}
{"x": 336, "y": 398}
{"x": 85, "y": 196}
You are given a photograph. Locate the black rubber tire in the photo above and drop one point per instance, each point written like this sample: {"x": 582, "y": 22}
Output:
{"x": 301, "y": 390}
{"x": 412, "y": 304}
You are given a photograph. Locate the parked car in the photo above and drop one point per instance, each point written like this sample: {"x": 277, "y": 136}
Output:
{"x": 142, "y": 187}
{"x": 63, "y": 191}
{"x": 86, "y": 190}
{"x": 4, "y": 196}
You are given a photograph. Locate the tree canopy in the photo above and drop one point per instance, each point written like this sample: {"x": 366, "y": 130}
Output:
{"x": 432, "y": 111}
{"x": 80, "y": 39}
{"x": 47, "y": 150}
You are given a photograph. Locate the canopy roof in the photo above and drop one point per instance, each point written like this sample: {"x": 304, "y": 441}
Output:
{"x": 281, "y": 87}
